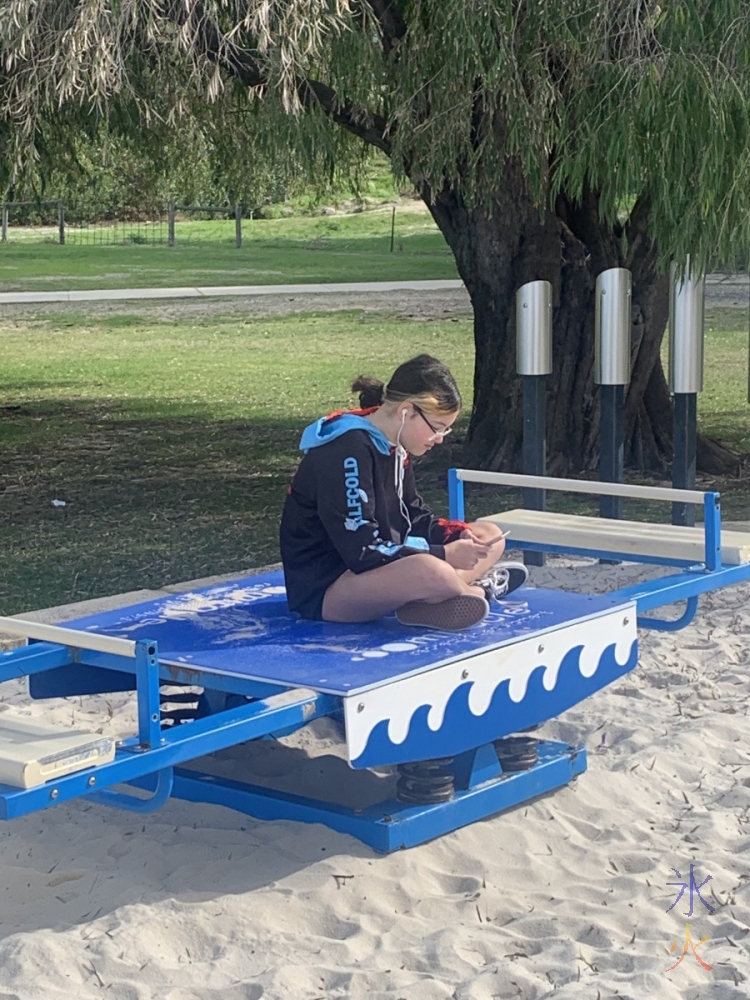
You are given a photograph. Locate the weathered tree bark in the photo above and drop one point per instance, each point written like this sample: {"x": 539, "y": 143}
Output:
{"x": 499, "y": 249}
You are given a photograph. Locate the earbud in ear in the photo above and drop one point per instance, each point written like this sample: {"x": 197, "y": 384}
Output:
{"x": 403, "y": 417}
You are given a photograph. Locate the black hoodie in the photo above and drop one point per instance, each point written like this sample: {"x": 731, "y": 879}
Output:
{"x": 343, "y": 511}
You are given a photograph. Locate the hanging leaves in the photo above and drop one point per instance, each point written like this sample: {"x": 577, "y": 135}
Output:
{"x": 632, "y": 99}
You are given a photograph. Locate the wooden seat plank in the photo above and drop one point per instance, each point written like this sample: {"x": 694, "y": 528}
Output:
{"x": 666, "y": 541}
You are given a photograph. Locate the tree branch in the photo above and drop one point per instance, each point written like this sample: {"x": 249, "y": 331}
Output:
{"x": 249, "y": 70}
{"x": 639, "y": 243}
{"x": 370, "y": 127}
{"x": 582, "y": 219}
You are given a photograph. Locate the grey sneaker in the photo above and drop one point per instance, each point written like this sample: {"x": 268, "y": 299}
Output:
{"x": 503, "y": 579}
{"x": 453, "y": 615}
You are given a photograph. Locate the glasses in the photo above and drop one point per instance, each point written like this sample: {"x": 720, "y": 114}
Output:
{"x": 436, "y": 432}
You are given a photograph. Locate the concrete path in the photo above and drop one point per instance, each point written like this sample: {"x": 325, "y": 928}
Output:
{"x": 111, "y": 294}
{"x": 722, "y": 289}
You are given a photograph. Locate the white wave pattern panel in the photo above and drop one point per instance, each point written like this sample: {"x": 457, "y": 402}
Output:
{"x": 397, "y": 702}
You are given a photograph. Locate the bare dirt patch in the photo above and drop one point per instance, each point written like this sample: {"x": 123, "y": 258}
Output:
{"x": 406, "y": 304}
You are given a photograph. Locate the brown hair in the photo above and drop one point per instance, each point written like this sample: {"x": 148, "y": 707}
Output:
{"x": 422, "y": 379}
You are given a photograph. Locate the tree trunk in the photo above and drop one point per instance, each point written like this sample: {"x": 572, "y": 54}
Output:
{"x": 499, "y": 249}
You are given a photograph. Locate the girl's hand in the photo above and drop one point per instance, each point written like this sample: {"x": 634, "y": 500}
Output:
{"x": 465, "y": 553}
{"x": 468, "y": 533}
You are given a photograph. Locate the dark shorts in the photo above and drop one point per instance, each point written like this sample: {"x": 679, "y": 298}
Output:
{"x": 305, "y": 597}
{"x": 312, "y": 608}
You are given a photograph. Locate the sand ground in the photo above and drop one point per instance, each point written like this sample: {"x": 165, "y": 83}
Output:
{"x": 567, "y": 896}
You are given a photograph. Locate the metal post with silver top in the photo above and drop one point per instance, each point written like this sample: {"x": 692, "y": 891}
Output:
{"x": 612, "y": 374}
{"x": 534, "y": 364}
{"x": 686, "y": 328}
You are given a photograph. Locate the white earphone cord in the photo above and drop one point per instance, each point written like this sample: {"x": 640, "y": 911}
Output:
{"x": 399, "y": 476}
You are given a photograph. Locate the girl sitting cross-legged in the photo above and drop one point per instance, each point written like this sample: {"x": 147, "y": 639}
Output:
{"x": 356, "y": 539}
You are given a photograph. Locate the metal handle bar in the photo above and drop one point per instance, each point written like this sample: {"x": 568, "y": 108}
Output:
{"x": 68, "y": 636}
{"x": 582, "y": 486}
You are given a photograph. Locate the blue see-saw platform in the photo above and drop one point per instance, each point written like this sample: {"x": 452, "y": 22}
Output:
{"x": 416, "y": 690}
{"x": 245, "y": 629}
{"x": 406, "y": 696}
{"x": 434, "y": 716}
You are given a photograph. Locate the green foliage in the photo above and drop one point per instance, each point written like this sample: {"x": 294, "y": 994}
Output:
{"x": 112, "y": 168}
{"x": 631, "y": 99}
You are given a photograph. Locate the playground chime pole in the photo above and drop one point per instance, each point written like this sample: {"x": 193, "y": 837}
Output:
{"x": 534, "y": 364}
{"x": 612, "y": 374}
{"x": 686, "y": 319}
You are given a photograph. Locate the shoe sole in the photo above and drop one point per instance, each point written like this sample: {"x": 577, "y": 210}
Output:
{"x": 453, "y": 615}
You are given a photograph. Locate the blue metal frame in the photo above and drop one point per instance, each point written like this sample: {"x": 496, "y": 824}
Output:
{"x": 175, "y": 746}
{"x": 147, "y": 686}
{"x": 680, "y": 586}
{"x": 687, "y": 586}
{"x": 599, "y": 553}
{"x": 712, "y": 529}
{"x": 164, "y": 786}
{"x": 456, "y": 505}
{"x": 391, "y": 824}
{"x": 669, "y": 624}
{"x": 149, "y": 759}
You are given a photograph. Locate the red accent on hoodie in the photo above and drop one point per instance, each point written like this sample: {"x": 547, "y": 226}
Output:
{"x": 452, "y": 529}
{"x": 357, "y": 413}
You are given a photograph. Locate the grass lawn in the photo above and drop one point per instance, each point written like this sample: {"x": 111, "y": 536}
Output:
{"x": 172, "y": 442}
{"x": 723, "y": 405}
{"x": 274, "y": 251}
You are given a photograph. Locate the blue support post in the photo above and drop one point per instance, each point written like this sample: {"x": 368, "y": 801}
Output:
{"x": 456, "y": 506}
{"x": 712, "y": 528}
{"x": 147, "y": 684}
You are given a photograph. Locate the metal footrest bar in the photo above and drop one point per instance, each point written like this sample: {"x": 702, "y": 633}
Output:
{"x": 133, "y": 803}
{"x": 665, "y": 625}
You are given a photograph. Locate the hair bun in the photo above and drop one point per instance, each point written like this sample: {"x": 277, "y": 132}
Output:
{"x": 371, "y": 391}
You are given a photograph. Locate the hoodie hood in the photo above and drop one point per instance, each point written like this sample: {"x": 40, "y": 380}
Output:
{"x": 333, "y": 426}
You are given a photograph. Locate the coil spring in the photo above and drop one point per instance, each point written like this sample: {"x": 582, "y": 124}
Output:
{"x": 174, "y": 716}
{"x": 425, "y": 782}
{"x": 517, "y": 753}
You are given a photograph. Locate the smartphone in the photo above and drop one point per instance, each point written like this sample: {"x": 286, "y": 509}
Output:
{"x": 500, "y": 539}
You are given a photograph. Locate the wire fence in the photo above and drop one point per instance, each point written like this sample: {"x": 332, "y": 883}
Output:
{"x": 228, "y": 226}
{"x": 204, "y": 222}
{"x": 44, "y": 218}
{"x": 66, "y": 222}
{"x": 149, "y": 230}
